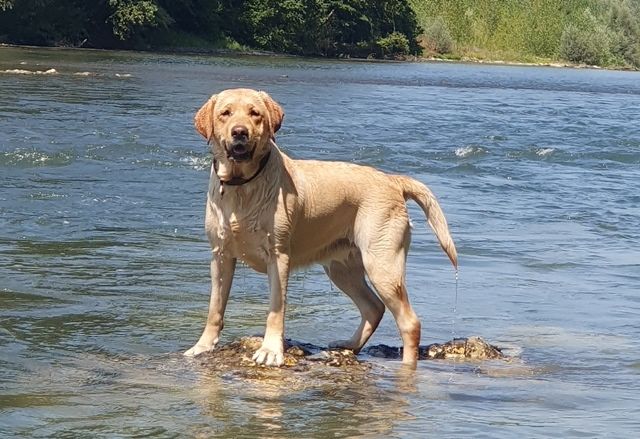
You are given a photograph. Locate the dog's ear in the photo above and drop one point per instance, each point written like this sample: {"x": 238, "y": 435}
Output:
{"x": 276, "y": 114}
{"x": 203, "y": 119}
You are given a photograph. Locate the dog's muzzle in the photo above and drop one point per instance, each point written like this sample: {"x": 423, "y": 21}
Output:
{"x": 239, "y": 151}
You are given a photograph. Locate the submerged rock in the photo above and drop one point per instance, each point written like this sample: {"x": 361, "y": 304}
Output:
{"x": 299, "y": 356}
{"x": 472, "y": 348}
{"x": 237, "y": 355}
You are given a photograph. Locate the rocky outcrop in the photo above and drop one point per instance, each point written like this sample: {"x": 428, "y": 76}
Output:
{"x": 305, "y": 356}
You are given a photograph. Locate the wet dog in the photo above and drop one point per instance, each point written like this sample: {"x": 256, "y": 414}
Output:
{"x": 276, "y": 214}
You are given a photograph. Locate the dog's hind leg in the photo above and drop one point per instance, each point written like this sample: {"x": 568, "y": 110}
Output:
{"x": 384, "y": 259}
{"x": 349, "y": 276}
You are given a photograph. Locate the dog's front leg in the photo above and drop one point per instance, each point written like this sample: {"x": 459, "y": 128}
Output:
{"x": 271, "y": 353}
{"x": 222, "y": 269}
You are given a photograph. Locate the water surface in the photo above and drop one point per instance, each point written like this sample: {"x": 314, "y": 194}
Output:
{"x": 104, "y": 262}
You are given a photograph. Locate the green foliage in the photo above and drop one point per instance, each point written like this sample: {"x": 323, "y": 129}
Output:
{"x": 6, "y": 4}
{"x": 326, "y": 27}
{"x": 603, "y": 32}
{"x": 46, "y": 21}
{"x": 393, "y": 45}
{"x": 436, "y": 37}
{"x": 584, "y": 46}
{"x": 624, "y": 27}
{"x": 276, "y": 26}
{"x": 608, "y": 36}
{"x": 308, "y": 27}
{"x": 203, "y": 18}
{"x": 129, "y": 15}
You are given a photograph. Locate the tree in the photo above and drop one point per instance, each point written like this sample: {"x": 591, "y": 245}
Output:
{"x": 306, "y": 27}
{"x": 130, "y": 15}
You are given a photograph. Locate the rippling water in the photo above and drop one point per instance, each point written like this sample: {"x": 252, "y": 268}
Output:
{"x": 104, "y": 263}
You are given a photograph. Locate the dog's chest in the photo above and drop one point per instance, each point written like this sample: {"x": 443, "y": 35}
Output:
{"x": 250, "y": 242}
{"x": 244, "y": 234}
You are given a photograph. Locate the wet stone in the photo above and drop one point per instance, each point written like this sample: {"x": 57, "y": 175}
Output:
{"x": 298, "y": 356}
{"x": 236, "y": 356}
{"x": 472, "y": 348}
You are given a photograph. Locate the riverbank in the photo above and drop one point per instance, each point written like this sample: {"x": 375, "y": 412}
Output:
{"x": 502, "y": 58}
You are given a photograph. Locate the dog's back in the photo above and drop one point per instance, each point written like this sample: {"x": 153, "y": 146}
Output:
{"x": 339, "y": 200}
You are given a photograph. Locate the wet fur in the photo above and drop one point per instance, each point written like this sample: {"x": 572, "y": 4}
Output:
{"x": 351, "y": 219}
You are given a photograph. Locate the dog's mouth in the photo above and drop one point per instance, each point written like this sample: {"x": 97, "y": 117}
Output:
{"x": 239, "y": 151}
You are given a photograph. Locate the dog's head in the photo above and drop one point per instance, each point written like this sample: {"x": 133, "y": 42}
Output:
{"x": 239, "y": 123}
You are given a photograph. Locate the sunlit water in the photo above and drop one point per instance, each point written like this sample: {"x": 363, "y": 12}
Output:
{"x": 104, "y": 262}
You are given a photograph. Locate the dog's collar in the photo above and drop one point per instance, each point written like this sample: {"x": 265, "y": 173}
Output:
{"x": 239, "y": 181}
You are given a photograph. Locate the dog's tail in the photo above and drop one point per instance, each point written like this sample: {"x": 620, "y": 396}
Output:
{"x": 422, "y": 195}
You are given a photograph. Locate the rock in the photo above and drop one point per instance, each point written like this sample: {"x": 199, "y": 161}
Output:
{"x": 472, "y": 348}
{"x": 237, "y": 355}
{"x": 309, "y": 366}
{"x": 298, "y": 356}
{"x": 336, "y": 358}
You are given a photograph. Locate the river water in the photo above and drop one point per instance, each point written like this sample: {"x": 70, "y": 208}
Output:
{"x": 104, "y": 261}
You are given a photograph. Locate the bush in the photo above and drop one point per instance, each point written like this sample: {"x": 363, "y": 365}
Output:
{"x": 624, "y": 25}
{"x": 393, "y": 45}
{"x": 130, "y": 15}
{"x": 585, "y": 46}
{"x": 436, "y": 37}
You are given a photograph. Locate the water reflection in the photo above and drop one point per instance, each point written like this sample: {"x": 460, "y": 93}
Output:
{"x": 284, "y": 403}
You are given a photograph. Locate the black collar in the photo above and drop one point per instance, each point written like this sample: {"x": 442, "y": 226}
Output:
{"x": 239, "y": 181}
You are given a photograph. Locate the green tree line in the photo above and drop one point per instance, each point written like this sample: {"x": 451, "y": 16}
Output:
{"x": 599, "y": 32}
{"x": 308, "y": 27}
{"x": 596, "y": 32}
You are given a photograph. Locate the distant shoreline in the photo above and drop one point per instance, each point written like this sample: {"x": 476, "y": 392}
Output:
{"x": 256, "y": 52}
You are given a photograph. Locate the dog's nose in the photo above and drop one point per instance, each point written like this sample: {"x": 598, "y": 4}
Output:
{"x": 239, "y": 131}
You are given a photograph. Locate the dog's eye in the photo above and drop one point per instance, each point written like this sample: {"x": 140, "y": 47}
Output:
{"x": 225, "y": 113}
{"x": 254, "y": 113}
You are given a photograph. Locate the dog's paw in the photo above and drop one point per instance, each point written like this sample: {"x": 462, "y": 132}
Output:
{"x": 270, "y": 354}
{"x": 198, "y": 349}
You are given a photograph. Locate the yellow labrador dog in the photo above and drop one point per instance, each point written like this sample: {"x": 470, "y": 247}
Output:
{"x": 276, "y": 214}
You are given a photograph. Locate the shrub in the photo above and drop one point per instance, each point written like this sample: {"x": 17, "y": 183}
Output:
{"x": 624, "y": 25}
{"x": 6, "y": 4}
{"x": 393, "y": 45}
{"x": 437, "y": 38}
{"x": 131, "y": 15}
{"x": 585, "y": 46}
